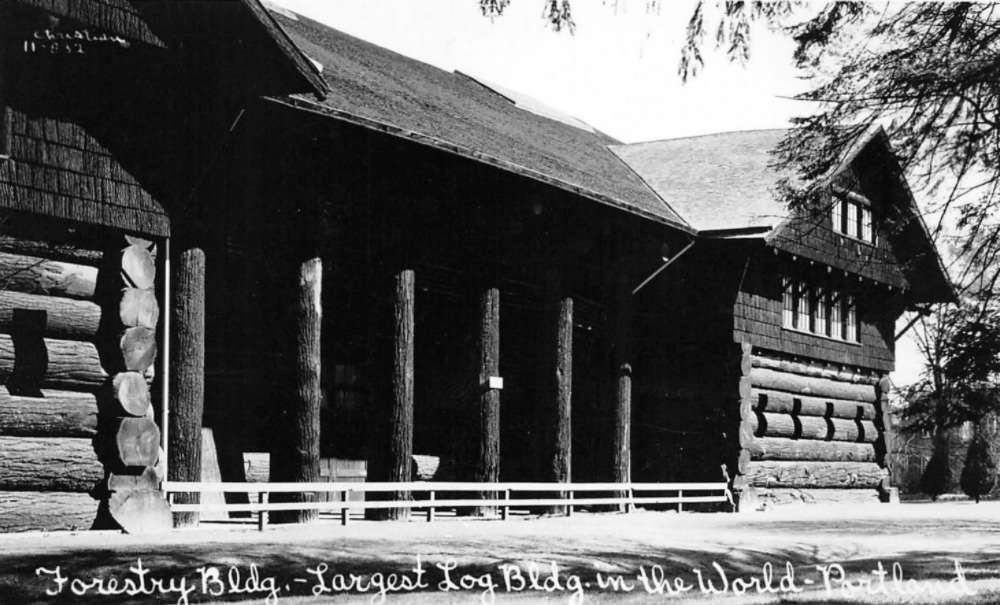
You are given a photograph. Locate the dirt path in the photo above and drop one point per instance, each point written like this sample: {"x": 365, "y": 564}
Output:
{"x": 911, "y": 553}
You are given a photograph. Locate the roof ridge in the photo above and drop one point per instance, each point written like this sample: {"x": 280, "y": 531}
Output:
{"x": 704, "y": 136}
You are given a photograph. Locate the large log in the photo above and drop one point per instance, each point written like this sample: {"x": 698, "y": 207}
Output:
{"x": 765, "y": 400}
{"x": 140, "y": 511}
{"x": 488, "y": 467}
{"x": 790, "y": 496}
{"x": 778, "y": 448}
{"x": 48, "y": 511}
{"x": 298, "y": 458}
{"x": 50, "y": 363}
{"x": 138, "y": 267}
{"x": 55, "y": 251}
{"x": 51, "y": 316}
{"x": 54, "y": 414}
{"x": 63, "y": 464}
{"x": 136, "y": 442}
{"x": 401, "y": 414}
{"x": 132, "y": 393}
{"x": 807, "y": 385}
{"x": 36, "y": 275}
{"x": 138, "y": 346}
{"x": 805, "y": 369}
{"x": 187, "y": 374}
{"x": 621, "y": 322}
{"x": 560, "y": 388}
{"x": 139, "y": 308}
{"x": 813, "y": 427}
{"x": 770, "y": 473}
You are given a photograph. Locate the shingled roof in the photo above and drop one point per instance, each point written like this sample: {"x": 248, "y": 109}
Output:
{"x": 377, "y": 88}
{"x": 717, "y": 182}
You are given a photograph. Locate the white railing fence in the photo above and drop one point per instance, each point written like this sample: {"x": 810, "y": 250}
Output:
{"x": 424, "y": 495}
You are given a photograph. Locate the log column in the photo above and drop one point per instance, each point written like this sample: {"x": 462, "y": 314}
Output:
{"x": 488, "y": 466}
{"x": 401, "y": 414}
{"x": 296, "y": 457}
{"x": 559, "y": 320}
{"x": 621, "y": 343}
{"x": 187, "y": 373}
{"x": 127, "y": 431}
{"x": 744, "y": 494}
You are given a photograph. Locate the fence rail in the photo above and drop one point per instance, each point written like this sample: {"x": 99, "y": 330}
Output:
{"x": 493, "y": 495}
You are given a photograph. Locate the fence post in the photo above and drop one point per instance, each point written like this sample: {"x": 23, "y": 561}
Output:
{"x": 569, "y": 507}
{"x": 680, "y": 500}
{"x": 630, "y": 505}
{"x": 505, "y": 510}
{"x": 430, "y": 509}
{"x": 345, "y": 511}
{"x": 262, "y": 499}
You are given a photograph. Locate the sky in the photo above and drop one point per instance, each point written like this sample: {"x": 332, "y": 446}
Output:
{"x": 618, "y": 71}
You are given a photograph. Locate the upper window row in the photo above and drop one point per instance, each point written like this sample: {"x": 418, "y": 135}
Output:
{"x": 853, "y": 218}
{"x": 820, "y": 310}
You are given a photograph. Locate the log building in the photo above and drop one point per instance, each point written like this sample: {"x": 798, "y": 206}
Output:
{"x": 322, "y": 249}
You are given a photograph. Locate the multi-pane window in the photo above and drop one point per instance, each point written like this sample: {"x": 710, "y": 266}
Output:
{"x": 853, "y": 218}
{"x": 820, "y": 310}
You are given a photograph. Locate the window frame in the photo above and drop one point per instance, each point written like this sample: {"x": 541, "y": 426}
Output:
{"x": 819, "y": 308}
{"x": 851, "y": 215}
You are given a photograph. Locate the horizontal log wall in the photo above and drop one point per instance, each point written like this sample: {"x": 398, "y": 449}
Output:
{"x": 815, "y": 426}
{"x": 60, "y": 364}
{"x": 776, "y": 448}
{"x": 34, "y": 511}
{"x": 54, "y": 414}
{"x": 794, "y": 426}
{"x": 780, "y": 496}
{"x": 66, "y": 464}
{"x": 812, "y": 474}
{"x": 51, "y": 371}
{"x": 35, "y": 275}
{"x": 61, "y": 318}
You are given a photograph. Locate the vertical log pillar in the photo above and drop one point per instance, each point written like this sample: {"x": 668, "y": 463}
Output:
{"x": 560, "y": 387}
{"x": 886, "y": 492}
{"x": 621, "y": 342}
{"x": 128, "y": 437}
{"x": 488, "y": 467}
{"x": 187, "y": 376}
{"x": 401, "y": 414}
{"x": 296, "y": 458}
{"x": 744, "y": 494}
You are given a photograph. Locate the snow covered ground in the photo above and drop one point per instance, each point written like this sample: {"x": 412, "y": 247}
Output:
{"x": 909, "y": 553}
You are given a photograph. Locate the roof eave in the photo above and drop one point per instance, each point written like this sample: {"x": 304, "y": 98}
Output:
{"x": 300, "y": 104}
{"x": 300, "y": 62}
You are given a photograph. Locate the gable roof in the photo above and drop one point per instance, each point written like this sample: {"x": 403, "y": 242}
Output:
{"x": 717, "y": 182}
{"x": 724, "y": 184}
{"x": 388, "y": 92}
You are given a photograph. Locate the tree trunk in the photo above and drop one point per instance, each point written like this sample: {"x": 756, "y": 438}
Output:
{"x": 64, "y": 464}
{"x": 187, "y": 377}
{"x": 813, "y": 427}
{"x": 561, "y": 387}
{"x": 809, "y": 385}
{"x": 401, "y": 415}
{"x": 297, "y": 458}
{"x": 767, "y": 473}
{"x": 777, "y": 448}
{"x": 35, "y": 275}
{"x": 64, "y": 318}
{"x": 48, "y": 511}
{"x": 765, "y": 400}
{"x": 621, "y": 326}
{"x": 55, "y": 414}
{"x": 488, "y": 468}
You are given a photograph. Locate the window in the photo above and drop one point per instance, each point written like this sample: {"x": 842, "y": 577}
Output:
{"x": 819, "y": 310}
{"x": 853, "y": 218}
